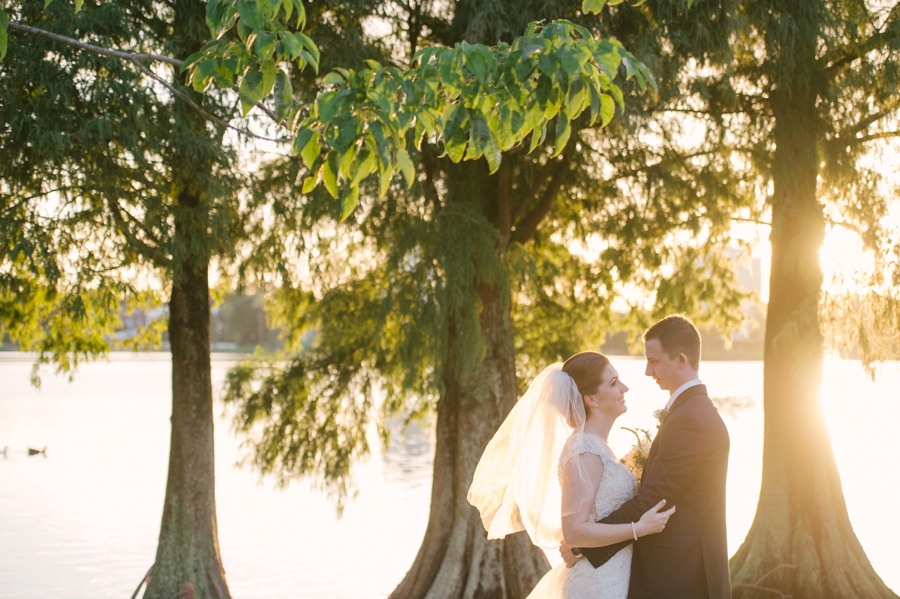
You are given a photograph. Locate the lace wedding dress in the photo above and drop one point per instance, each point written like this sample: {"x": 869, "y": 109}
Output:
{"x": 583, "y": 581}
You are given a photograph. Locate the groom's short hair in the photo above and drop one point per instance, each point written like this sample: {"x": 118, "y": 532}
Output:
{"x": 677, "y": 335}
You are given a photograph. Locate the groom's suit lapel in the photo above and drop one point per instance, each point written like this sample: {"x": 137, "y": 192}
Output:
{"x": 685, "y": 395}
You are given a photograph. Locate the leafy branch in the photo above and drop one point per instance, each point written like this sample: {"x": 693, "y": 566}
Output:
{"x": 473, "y": 100}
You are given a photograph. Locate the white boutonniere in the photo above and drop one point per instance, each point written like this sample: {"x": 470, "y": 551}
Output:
{"x": 660, "y": 415}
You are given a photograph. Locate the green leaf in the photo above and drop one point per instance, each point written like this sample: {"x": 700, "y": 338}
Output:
{"x": 224, "y": 73}
{"x": 349, "y": 201}
{"x": 607, "y": 57}
{"x": 269, "y": 70}
{"x": 363, "y": 167}
{"x": 327, "y": 105}
{"x": 293, "y": 44}
{"x": 607, "y": 109}
{"x": 251, "y": 90}
{"x": 563, "y": 131}
{"x": 284, "y": 95}
{"x": 479, "y": 137}
{"x": 256, "y": 85}
{"x": 309, "y": 184}
{"x": 303, "y": 137}
{"x": 264, "y": 45}
{"x": 475, "y": 62}
{"x": 188, "y": 62}
{"x": 384, "y": 178}
{"x": 575, "y": 100}
{"x": 641, "y": 82}
{"x": 333, "y": 78}
{"x": 424, "y": 54}
{"x": 455, "y": 147}
{"x": 524, "y": 69}
{"x": 517, "y": 121}
{"x": 329, "y": 174}
{"x": 304, "y": 55}
{"x": 547, "y": 64}
{"x": 47, "y": 3}
{"x": 535, "y": 140}
{"x": 310, "y": 46}
{"x": 250, "y": 15}
{"x": 405, "y": 163}
{"x": 453, "y": 118}
{"x": 202, "y": 74}
{"x": 616, "y": 92}
{"x": 301, "y": 14}
{"x": 569, "y": 59}
{"x": 78, "y": 5}
{"x": 4, "y": 33}
{"x": 594, "y": 7}
{"x": 346, "y": 161}
{"x": 595, "y": 104}
{"x": 492, "y": 153}
{"x": 212, "y": 17}
{"x": 221, "y": 16}
{"x": 311, "y": 152}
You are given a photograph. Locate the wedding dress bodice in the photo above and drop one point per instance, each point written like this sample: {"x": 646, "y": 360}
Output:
{"x": 583, "y": 581}
{"x": 617, "y": 485}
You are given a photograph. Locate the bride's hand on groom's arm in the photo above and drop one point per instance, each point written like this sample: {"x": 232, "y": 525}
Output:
{"x": 654, "y": 520}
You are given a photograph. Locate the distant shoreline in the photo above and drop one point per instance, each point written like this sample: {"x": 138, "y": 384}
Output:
{"x": 162, "y": 355}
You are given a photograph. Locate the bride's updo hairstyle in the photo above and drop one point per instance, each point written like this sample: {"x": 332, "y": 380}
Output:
{"x": 586, "y": 369}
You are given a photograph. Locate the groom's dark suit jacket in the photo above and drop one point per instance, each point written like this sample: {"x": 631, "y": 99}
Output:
{"x": 687, "y": 465}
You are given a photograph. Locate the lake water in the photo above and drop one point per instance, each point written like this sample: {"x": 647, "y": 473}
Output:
{"x": 83, "y": 521}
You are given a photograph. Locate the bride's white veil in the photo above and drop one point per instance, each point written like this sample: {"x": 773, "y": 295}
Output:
{"x": 516, "y": 484}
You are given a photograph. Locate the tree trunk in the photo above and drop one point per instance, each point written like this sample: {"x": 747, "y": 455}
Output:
{"x": 188, "y": 553}
{"x": 188, "y": 563}
{"x": 801, "y": 544}
{"x": 456, "y": 560}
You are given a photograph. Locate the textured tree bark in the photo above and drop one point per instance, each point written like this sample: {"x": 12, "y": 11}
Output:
{"x": 456, "y": 560}
{"x": 801, "y": 543}
{"x": 188, "y": 563}
{"x": 188, "y": 552}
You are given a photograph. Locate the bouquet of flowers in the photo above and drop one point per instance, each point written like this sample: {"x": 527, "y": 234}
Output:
{"x": 636, "y": 459}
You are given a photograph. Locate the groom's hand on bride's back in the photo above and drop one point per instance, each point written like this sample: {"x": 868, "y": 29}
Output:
{"x": 566, "y": 552}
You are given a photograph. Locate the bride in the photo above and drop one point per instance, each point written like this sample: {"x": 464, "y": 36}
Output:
{"x": 550, "y": 472}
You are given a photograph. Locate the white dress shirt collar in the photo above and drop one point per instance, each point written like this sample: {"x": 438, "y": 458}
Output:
{"x": 681, "y": 390}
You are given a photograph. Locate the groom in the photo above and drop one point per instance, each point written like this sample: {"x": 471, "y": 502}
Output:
{"x": 686, "y": 466}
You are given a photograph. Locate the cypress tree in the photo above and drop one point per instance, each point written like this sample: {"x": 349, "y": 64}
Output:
{"x": 450, "y": 294}
{"x": 791, "y": 98}
{"x": 111, "y": 184}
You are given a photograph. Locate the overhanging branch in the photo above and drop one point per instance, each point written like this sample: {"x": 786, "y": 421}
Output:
{"x": 835, "y": 62}
{"x": 96, "y": 49}
{"x": 137, "y": 59}
{"x": 154, "y": 254}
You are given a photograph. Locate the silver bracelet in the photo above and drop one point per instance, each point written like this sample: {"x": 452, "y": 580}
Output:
{"x": 634, "y": 531}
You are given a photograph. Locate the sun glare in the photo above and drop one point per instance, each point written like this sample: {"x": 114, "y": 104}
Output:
{"x": 844, "y": 260}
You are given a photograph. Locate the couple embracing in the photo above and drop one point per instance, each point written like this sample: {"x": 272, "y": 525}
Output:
{"x": 549, "y": 471}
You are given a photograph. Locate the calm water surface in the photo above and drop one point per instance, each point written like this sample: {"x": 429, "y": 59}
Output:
{"x": 83, "y": 522}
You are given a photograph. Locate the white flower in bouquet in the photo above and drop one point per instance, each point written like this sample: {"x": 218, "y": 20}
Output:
{"x": 636, "y": 459}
